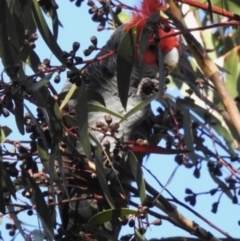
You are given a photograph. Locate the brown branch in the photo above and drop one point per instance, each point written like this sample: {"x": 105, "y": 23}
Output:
{"x": 171, "y": 210}
{"x": 206, "y": 64}
{"x": 213, "y": 9}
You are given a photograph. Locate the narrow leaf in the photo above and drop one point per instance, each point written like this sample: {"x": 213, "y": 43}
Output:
{"x": 41, "y": 205}
{"x": 45, "y": 31}
{"x": 138, "y": 175}
{"x": 188, "y": 135}
{"x": 82, "y": 117}
{"x": 125, "y": 59}
{"x": 110, "y": 214}
{"x": 69, "y": 95}
{"x": 19, "y": 116}
{"x": 101, "y": 177}
{"x": 94, "y": 107}
{"x": 42, "y": 82}
{"x": 138, "y": 236}
{"x": 12, "y": 212}
{"x": 139, "y": 106}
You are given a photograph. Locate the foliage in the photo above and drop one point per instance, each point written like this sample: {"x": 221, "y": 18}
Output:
{"x": 192, "y": 112}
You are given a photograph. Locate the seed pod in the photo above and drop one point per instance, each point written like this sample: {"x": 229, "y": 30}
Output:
{"x": 87, "y": 52}
{"x": 101, "y": 27}
{"x": 57, "y": 79}
{"x": 114, "y": 127}
{"x": 106, "y": 144}
{"x": 118, "y": 10}
{"x": 93, "y": 9}
{"x": 76, "y": 46}
{"x": 108, "y": 119}
{"x": 157, "y": 222}
{"x": 30, "y": 212}
{"x": 69, "y": 63}
{"x": 90, "y": 3}
{"x": 46, "y": 62}
{"x": 94, "y": 40}
{"x": 104, "y": 129}
{"x": 78, "y": 3}
{"x": 100, "y": 124}
{"x": 78, "y": 60}
{"x": 5, "y": 113}
{"x": 131, "y": 223}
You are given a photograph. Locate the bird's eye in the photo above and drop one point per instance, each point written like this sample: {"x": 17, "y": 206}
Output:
{"x": 152, "y": 47}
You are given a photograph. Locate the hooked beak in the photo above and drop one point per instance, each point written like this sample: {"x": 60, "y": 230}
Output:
{"x": 171, "y": 60}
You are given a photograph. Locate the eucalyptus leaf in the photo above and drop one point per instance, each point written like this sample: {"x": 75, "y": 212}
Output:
{"x": 125, "y": 59}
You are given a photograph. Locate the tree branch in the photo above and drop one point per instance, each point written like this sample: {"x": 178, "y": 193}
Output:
{"x": 206, "y": 64}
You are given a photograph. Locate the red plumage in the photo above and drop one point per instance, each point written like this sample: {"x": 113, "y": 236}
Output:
{"x": 139, "y": 18}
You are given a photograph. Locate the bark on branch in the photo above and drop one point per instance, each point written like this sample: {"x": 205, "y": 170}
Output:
{"x": 206, "y": 64}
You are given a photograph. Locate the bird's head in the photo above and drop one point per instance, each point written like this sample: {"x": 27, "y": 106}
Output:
{"x": 169, "y": 45}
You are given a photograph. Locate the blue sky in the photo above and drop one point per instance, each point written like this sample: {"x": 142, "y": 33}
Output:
{"x": 79, "y": 27}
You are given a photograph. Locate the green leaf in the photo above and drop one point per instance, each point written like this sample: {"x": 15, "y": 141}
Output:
{"x": 16, "y": 221}
{"x": 139, "y": 106}
{"x": 110, "y": 214}
{"x": 55, "y": 22}
{"x": 30, "y": 57}
{"x": 188, "y": 135}
{"x": 138, "y": 236}
{"x": 232, "y": 64}
{"x": 7, "y": 131}
{"x": 45, "y": 31}
{"x": 101, "y": 176}
{"x": 2, "y": 136}
{"x": 125, "y": 59}
{"x": 82, "y": 117}
{"x": 19, "y": 115}
{"x": 221, "y": 128}
{"x": 42, "y": 82}
{"x": 71, "y": 94}
{"x": 40, "y": 131}
{"x": 138, "y": 175}
{"x": 44, "y": 157}
{"x": 93, "y": 108}
{"x": 41, "y": 206}
{"x": 8, "y": 181}
{"x": 93, "y": 95}
{"x": 222, "y": 185}
{"x": 5, "y": 45}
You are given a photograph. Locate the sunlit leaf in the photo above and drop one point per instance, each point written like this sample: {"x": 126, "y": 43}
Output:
{"x": 110, "y": 214}
{"x": 94, "y": 108}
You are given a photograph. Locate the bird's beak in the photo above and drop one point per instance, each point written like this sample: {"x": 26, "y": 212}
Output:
{"x": 171, "y": 60}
